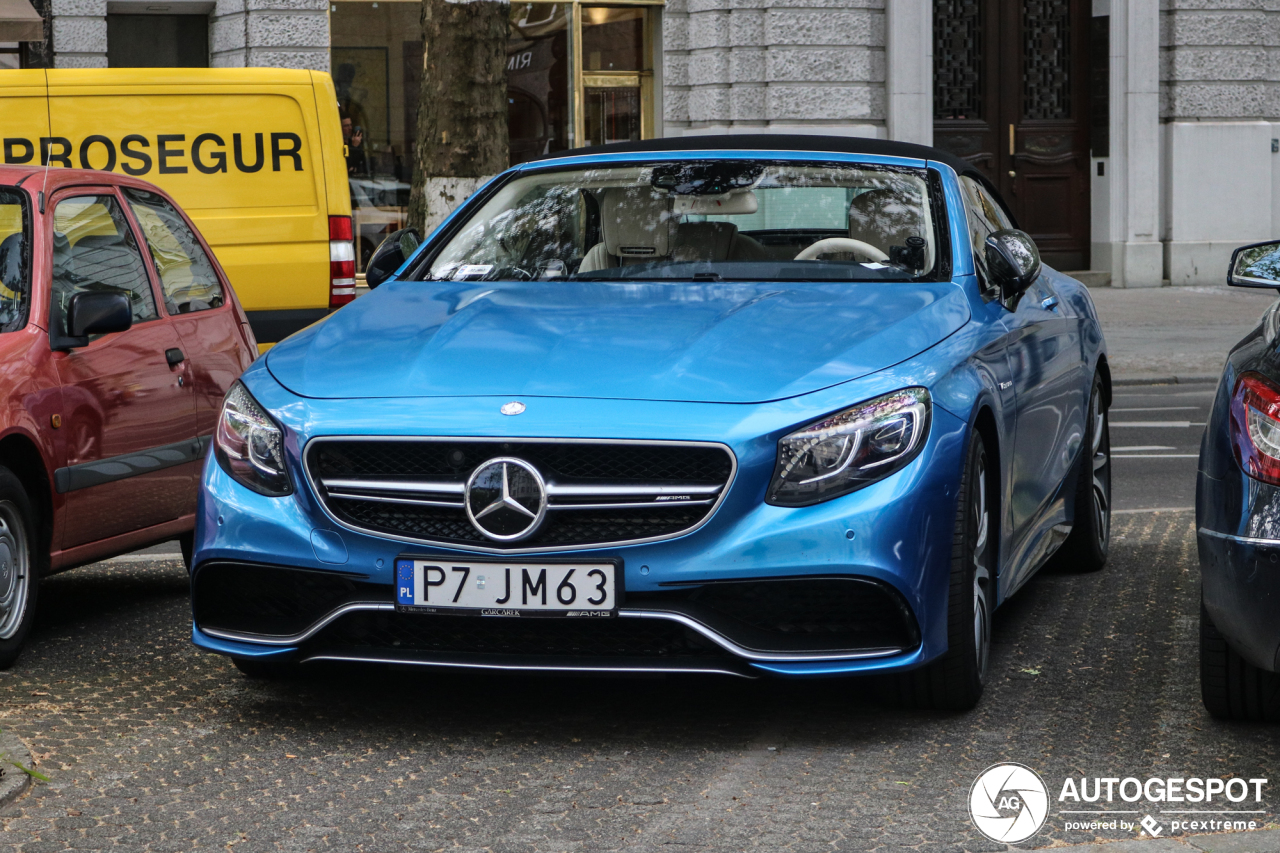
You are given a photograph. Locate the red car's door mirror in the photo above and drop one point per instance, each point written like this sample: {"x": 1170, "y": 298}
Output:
{"x": 98, "y": 314}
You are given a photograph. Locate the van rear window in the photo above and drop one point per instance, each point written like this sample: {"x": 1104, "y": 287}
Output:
{"x": 15, "y": 260}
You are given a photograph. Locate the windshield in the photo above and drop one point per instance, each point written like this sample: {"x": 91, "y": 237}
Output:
{"x": 700, "y": 220}
{"x": 15, "y": 261}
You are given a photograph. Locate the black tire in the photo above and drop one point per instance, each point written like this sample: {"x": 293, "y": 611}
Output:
{"x": 187, "y": 542}
{"x": 21, "y": 560}
{"x": 954, "y": 682}
{"x": 268, "y": 669}
{"x": 1087, "y": 546}
{"x": 1231, "y": 687}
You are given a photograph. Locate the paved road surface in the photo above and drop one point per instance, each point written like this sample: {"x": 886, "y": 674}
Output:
{"x": 153, "y": 746}
{"x": 1164, "y": 331}
{"x": 1155, "y": 440}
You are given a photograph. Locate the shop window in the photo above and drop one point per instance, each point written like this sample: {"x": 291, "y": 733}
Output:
{"x": 617, "y": 76}
{"x": 577, "y": 75}
{"x": 538, "y": 75}
{"x": 376, "y": 62}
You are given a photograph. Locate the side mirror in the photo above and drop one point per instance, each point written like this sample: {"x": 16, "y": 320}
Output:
{"x": 1255, "y": 266}
{"x": 95, "y": 313}
{"x": 391, "y": 255}
{"x": 1012, "y": 260}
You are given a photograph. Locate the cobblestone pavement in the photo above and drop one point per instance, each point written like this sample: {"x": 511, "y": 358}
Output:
{"x": 153, "y": 746}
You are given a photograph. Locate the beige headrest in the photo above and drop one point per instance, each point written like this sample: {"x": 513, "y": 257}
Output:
{"x": 885, "y": 218}
{"x": 636, "y": 222}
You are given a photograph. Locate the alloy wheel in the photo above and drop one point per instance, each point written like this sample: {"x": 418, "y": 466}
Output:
{"x": 15, "y": 569}
{"x": 1101, "y": 486}
{"x": 981, "y": 530}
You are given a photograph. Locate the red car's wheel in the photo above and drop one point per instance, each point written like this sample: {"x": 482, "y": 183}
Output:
{"x": 19, "y": 579}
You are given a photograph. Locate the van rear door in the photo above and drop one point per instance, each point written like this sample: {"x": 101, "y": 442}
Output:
{"x": 238, "y": 149}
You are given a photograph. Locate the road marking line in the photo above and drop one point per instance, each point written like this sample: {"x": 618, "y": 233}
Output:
{"x": 1141, "y": 447}
{"x": 1171, "y": 424}
{"x": 1157, "y": 409}
{"x": 1153, "y": 509}
{"x": 1156, "y": 456}
{"x": 144, "y": 558}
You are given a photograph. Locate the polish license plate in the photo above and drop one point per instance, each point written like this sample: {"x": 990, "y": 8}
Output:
{"x": 495, "y": 588}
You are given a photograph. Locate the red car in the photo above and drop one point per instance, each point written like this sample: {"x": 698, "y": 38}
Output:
{"x": 119, "y": 335}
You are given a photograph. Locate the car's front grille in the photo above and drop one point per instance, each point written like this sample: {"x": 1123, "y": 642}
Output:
{"x": 522, "y": 636}
{"x": 597, "y": 493}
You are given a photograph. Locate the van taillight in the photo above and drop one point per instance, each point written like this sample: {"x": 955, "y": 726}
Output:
{"x": 1255, "y": 427}
{"x": 342, "y": 262}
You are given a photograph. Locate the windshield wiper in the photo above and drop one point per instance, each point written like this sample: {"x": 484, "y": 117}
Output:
{"x": 707, "y": 276}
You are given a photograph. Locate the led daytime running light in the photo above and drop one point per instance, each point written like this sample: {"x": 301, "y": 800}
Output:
{"x": 850, "y": 449}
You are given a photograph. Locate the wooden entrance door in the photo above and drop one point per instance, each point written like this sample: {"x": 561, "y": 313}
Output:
{"x": 1011, "y": 95}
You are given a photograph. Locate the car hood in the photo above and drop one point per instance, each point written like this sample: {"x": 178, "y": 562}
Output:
{"x": 699, "y": 342}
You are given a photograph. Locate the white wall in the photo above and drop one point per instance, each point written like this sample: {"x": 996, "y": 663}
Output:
{"x": 1219, "y": 101}
{"x": 1220, "y": 195}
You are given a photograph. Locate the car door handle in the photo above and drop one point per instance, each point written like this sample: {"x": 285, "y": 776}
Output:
{"x": 1050, "y": 302}
{"x": 174, "y": 357}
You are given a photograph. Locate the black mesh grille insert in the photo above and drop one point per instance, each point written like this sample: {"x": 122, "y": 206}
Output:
{"x": 826, "y": 613}
{"x": 255, "y": 599}
{"x": 567, "y": 463}
{"x": 551, "y": 637}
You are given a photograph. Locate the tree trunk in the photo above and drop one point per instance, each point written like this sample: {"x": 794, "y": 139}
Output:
{"x": 462, "y": 110}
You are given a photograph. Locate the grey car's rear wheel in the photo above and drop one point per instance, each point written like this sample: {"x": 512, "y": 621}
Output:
{"x": 19, "y": 561}
{"x": 954, "y": 681}
{"x": 1231, "y": 687}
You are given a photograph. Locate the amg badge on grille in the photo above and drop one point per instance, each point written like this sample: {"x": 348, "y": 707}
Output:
{"x": 506, "y": 499}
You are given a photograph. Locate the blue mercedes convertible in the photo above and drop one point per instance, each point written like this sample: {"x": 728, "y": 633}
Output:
{"x": 801, "y": 406}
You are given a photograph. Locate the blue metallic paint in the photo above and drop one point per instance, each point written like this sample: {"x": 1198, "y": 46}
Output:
{"x": 902, "y": 525}
{"x": 675, "y": 341}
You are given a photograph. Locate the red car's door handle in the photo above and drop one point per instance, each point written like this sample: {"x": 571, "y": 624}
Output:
{"x": 174, "y": 356}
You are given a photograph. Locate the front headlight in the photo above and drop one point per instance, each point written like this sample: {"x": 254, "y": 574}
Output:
{"x": 850, "y": 449}
{"x": 249, "y": 445}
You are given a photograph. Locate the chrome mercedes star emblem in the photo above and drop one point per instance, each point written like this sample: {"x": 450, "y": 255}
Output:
{"x": 506, "y": 499}
{"x": 515, "y": 407}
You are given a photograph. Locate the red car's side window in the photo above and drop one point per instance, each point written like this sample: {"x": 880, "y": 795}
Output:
{"x": 15, "y": 261}
{"x": 94, "y": 250}
{"x": 186, "y": 276}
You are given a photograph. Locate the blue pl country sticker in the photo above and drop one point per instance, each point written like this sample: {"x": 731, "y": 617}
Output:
{"x": 404, "y": 581}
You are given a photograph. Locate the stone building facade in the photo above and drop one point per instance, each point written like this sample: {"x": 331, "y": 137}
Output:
{"x": 241, "y": 33}
{"x": 1156, "y": 121}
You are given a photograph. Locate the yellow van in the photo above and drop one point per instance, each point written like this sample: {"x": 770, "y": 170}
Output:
{"x": 254, "y": 155}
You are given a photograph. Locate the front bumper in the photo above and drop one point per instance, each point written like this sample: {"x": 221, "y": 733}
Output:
{"x": 721, "y": 626}
{"x": 891, "y": 539}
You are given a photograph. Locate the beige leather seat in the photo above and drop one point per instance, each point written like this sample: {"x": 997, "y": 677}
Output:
{"x": 637, "y": 226}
